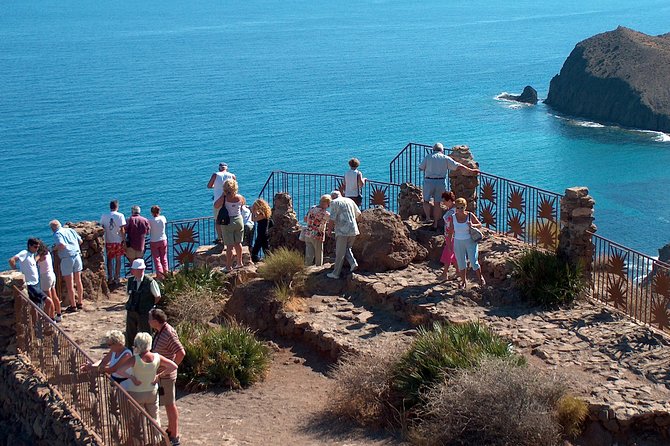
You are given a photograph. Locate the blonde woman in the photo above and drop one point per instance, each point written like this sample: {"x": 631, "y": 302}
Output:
{"x": 315, "y": 232}
{"x": 260, "y": 214}
{"x": 144, "y": 365}
{"x": 233, "y": 232}
{"x": 464, "y": 247}
{"x": 116, "y": 342}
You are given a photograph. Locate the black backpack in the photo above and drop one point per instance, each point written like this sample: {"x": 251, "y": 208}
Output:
{"x": 222, "y": 218}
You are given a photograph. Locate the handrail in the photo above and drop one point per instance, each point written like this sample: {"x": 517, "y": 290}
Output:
{"x": 32, "y": 340}
{"x": 518, "y": 183}
{"x": 620, "y": 246}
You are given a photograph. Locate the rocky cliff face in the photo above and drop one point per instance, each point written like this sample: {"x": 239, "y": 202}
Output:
{"x": 620, "y": 76}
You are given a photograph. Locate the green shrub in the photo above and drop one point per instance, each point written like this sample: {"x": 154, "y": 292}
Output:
{"x": 437, "y": 352}
{"x": 497, "y": 404}
{"x": 193, "y": 294}
{"x": 282, "y": 292}
{"x": 544, "y": 279}
{"x": 193, "y": 278}
{"x": 572, "y": 413}
{"x": 281, "y": 265}
{"x": 226, "y": 355}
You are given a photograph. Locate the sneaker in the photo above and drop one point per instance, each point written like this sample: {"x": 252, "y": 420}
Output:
{"x": 58, "y": 318}
{"x": 332, "y": 276}
{"x": 174, "y": 441}
{"x": 354, "y": 268}
{"x": 70, "y": 310}
{"x": 80, "y": 306}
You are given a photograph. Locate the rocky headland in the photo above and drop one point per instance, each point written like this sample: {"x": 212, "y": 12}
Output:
{"x": 620, "y": 76}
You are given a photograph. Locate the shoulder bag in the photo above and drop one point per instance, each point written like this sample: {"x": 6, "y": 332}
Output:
{"x": 223, "y": 218}
{"x": 475, "y": 234}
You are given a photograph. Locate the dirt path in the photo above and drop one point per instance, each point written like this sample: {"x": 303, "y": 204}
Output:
{"x": 287, "y": 408}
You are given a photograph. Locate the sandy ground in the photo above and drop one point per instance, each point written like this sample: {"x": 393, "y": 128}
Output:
{"x": 287, "y": 408}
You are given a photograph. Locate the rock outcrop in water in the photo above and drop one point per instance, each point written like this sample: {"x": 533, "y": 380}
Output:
{"x": 527, "y": 96}
{"x": 620, "y": 76}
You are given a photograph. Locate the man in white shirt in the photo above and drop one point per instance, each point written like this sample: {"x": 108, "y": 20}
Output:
{"x": 114, "y": 223}
{"x": 28, "y": 266}
{"x": 216, "y": 182}
{"x": 343, "y": 215}
{"x": 436, "y": 167}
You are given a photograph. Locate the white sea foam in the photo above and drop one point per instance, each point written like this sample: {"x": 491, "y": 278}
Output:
{"x": 657, "y": 136}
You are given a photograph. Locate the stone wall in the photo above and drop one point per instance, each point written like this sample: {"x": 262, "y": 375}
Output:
{"x": 410, "y": 201}
{"x": 574, "y": 242}
{"x": 32, "y": 413}
{"x": 8, "y": 279}
{"x": 93, "y": 258}
{"x": 464, "y": 184}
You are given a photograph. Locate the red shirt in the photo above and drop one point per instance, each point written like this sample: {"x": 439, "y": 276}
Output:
{"x": 166, "y": 343}
{"x": 137, "y": 228}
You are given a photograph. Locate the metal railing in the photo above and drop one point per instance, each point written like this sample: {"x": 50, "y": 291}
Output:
{"x": 102, "y": 405}
{"x": 184, "y": 238}
{"x": 306, "y": 190}
{"x": 634, "y": 283}
{"x": 525, "y": 212}
{"x": 404, "y": 168}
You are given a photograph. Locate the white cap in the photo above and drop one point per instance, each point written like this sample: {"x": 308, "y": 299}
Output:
{"x": 138, "y": 264}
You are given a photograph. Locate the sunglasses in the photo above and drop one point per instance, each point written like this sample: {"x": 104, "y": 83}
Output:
{"x": 460, "y": 208}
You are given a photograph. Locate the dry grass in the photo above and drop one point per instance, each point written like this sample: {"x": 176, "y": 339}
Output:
{"x": 496, "y": 404}
{"x": 281, "y": 265}
{"x": 364, "y": 390}
{"x": 195, "y": 305}
{"x": 572, "y": 413}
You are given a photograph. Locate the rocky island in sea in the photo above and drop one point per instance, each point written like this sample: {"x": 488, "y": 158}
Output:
{"x": 620, "y": 76}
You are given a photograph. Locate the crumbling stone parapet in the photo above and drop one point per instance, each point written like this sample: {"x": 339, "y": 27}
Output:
{"x": 464, "y": 184}
{"x": 577, "y": 216}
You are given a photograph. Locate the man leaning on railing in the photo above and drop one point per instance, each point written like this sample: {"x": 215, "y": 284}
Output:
{"x": 436, "y": 167}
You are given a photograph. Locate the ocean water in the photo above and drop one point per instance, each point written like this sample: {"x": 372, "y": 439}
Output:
{"x": 140, "y": 101}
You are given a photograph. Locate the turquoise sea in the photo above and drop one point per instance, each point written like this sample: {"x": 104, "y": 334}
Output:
{"x": 140, "y": 101}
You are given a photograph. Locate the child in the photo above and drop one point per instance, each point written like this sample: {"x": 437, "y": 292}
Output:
{"x": 48, "y": 277}
{"x": 28, "y": 266}
{"x": 448, "y": 257}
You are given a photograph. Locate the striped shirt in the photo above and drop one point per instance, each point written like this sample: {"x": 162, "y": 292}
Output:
{"x": 166, "y": 343}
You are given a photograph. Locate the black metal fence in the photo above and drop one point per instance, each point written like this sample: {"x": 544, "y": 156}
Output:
{"x": 404, "y": 168}
{"x": 633, "y": 283}
{"x": 525, "y": 212}
{"x": 307, "y": 188}
{"x": 102, "y": 405}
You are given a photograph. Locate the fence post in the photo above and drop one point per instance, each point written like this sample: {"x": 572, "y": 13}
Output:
{"x": 464, "y": 184}
{"x": 9, "y": 310}
{"x": 574, "y": 241}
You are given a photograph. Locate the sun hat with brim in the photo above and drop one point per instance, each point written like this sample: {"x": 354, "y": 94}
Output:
{"x": 138, "y": 264}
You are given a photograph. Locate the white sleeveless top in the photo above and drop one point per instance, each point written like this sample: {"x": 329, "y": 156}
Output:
{"x": 461, "y": 230}
{"x": 146, "y": 373}
{"x": 351, "y": 184}
{"x": 114, "y": 359}
{"x": 233, "y": 208}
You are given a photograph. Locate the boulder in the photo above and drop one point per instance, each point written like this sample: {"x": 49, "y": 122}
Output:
{"x": 410, "y": 201}
{"x": 431, "y": 240}
{"x": 528, "y": 96}
{"x": 384, "y": 242}
{"x": 618, "y": 76}
{"x": 285, "y": 229}
{"x": 254, "y": 305}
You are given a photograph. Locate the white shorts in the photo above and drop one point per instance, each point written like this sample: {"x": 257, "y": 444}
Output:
{"x": 47, "y": 281}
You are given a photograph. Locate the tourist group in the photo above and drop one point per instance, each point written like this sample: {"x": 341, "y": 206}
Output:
{"x": 150, "y": 373}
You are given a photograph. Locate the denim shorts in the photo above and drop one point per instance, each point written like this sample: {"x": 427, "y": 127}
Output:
{"x": 433, "y": 188}
{"x": 69, "y": 265}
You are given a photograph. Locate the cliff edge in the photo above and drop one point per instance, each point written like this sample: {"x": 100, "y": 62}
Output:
{"x": 620, "y": 76}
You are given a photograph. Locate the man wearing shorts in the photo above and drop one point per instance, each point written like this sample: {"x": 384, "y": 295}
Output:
{"x": 28, "y": 266}
{"x": 114, "y": 223}
{"x": 436, "y": 167}
{"x": 137, "y": 229}
{"x": 67, "y": 243}
{"x": 166, "y": 343}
